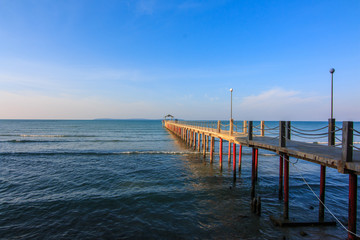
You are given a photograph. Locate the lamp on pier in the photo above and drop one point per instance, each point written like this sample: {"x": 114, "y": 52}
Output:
{"x": 332, "y": 70}
{"x": 231, "y": 90}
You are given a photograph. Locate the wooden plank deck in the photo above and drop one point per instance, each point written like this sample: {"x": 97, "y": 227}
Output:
{"x": 321, "y": 154}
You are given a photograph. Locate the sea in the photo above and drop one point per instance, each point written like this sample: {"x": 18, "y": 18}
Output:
{"x": 133, "y": 179}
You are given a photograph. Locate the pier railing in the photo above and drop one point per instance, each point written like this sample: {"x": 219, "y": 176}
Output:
{"x": 328, "y": 134}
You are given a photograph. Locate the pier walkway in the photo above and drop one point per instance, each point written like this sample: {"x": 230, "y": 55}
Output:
{"x": 345, "y": 157}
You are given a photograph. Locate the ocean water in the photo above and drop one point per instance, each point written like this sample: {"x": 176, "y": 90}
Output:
{"x": 133, "y": 179}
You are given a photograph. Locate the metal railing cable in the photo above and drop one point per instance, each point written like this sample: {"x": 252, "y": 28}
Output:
{"x": 309, "y": 137}
{"x": 268, "y": 128}
{"x": 338, "y": 129}
{"x": 355, "y": 132}
{"x": 309, "y": 134}
{"x": 357, "y": 148}
{"x": 257, "y": 126}
{"x": 237, "y": 127}
{"x": 322, "y": 203}
{"x": 308, "y": 130}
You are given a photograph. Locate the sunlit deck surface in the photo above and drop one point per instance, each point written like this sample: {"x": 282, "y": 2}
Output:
{"x": 329, "y": 156}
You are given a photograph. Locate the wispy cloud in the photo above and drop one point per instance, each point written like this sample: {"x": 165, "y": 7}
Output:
{"x": 281, "y": 104}
{"x": 146, "y": 6}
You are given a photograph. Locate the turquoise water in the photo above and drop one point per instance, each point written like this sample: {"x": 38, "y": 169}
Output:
{"x": 125, "y": 179}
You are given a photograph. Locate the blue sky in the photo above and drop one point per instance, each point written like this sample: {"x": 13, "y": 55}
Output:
{"x": 145, "y": 59}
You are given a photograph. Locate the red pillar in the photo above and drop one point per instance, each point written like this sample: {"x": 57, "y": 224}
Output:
{"x": 240, "y": 153}
{"x": 195, "y": 141}
{"x": 199, "y": 141}
{"x": 220, "y": 152}
{"x": 281, "y": 166}
{"x": 322, "y": 193}
{"x": 352, "y": 205}
{"x": 286, "y": 186}
{"x": 229, "y": 152}
{"x": 253, "y": 166}
{"x": 253, "y": 174}
{"x": 256, "y": 163}
{"x": 234, "y": 160}
{"x": 212, "y": 149}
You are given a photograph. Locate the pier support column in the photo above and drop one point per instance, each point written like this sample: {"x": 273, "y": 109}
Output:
{"x": 352, "y": 205}
{"x": 256, "y": 163}
{"x": 204, "y": 145}
{"x": 347, "y": 156}
{"x": 286, "y": 186}
{"x": 199, "y": 141}
{"x": 229, "y": 153}
{"x": 253, "y": 171}
{"x": 234, "y": 161}
{"x": 189, "y": 138}
{"x": 220, "y": 152}
{"x": 331, "y": 142}
{"x": 322, "y": 193}
{"x": 212, "y": 150}
{"x": 240, "y": 155}
{"x": 207, "y": 142}
{"x": 192, "y": 139}
{"x": 195, "y": 135}
{"x": 281, "y": 171}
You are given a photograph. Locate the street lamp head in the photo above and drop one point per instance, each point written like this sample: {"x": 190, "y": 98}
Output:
{"x": 332, "y": 70}
{"x": 231, "y": 89}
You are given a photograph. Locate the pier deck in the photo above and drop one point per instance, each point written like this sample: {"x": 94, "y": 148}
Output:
{"x": 344, "y": 158}
{"x": 329, "y": 156}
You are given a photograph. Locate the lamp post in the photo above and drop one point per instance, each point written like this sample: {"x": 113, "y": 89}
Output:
{"x": 231, "y": 90}
{"x": 332, "y": 70}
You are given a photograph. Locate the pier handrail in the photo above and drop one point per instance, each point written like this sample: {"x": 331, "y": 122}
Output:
{"x": 263, "y": 129}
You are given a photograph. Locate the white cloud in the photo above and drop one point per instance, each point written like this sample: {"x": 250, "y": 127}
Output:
{"x": 281, "y": 104}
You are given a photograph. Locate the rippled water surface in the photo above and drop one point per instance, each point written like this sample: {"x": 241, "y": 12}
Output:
{"x": 135, "y": 180}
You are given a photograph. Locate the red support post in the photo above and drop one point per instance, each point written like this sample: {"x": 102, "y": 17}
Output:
{"x": 322, "y": 193}
{"x": 204, "y": 145}
{"x": 199, "y": 141}
{"x": 253, "y": 178}
{"x": 229, "y": 153}
{"x": 234, "y": 160}
{"x": 281, "y": 171}
{"x": 212, "y": 149}
{"x": 286, "y": 186}
{"x": 253, "y": 166}
{"x": 256, "y": 163}
{"x": 352, "y": 205}
{"x": 195, "y": 141}
{"x": 240, "y": 153}
{"x": 220, "y": 152}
